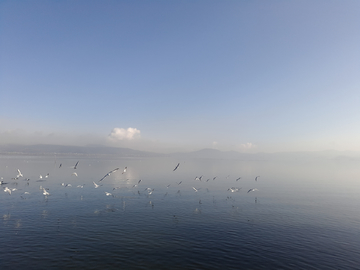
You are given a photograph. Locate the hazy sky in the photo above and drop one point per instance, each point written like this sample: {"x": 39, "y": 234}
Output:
{"x": 255, "y": 76}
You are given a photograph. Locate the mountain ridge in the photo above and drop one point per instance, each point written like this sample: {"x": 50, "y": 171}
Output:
{"x": 49, "y": 149}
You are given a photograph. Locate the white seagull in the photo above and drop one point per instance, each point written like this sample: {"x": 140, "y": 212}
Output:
{"x": 19, "y": 174}
{"x": 108, "y": 194}
{"x": 196, "y": 190}
{"x": 96, "y": 185}
{"x": 45, "y": 192}
{"x": 7, "y": 190}
{"x": 234, "y": 189}
{"x": 253, "y": 189}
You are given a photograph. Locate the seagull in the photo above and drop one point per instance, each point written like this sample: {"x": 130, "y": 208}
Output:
{"x": 76, "y": 165}
{"x": 139, "y": 181}
{"x": 124, "y": 170}
{"x": 108, "y": 194}
{"x": 2, "y": 182}
{"x": 40, "y": 176}
{"x": 151, "y": 191}
{"x": 257, "y": 177}
{"x": 46, "y": 176}
{"x": 253, "y": 189}
{"x": 168, "y": 186}
{"x": 80, "y": 186}
{"x": 7, "y": 190}
{"x": 96, "y": 185}
{"x": 176, "y": 167}
{"x": 45, "y": 192}
{"x": 179, "y": 183}
{"x": 60, "y": 165}
{"x": 238, "y": 179}
{"x": 214, "y": 178}
{"x": 109, "y": 173}
{"x": 234, "y": 189}
{"x": 19, "y": 174}
{"x": 74, "y": 173}
{"x": 66, "y": 185}
{"x": 196, "y": 190}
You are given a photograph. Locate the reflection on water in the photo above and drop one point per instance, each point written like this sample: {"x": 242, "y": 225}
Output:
{"x": 199, "y": 216}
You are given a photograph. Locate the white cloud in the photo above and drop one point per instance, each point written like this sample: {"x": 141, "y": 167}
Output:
{"x": 119, "y": 134}
{"x": 248, "y": 145}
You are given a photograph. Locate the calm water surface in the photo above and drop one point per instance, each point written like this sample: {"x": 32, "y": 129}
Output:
{"x": 304, "y": 215}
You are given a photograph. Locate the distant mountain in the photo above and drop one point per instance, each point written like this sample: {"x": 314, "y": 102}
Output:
{"x": 303, "y": 155}
{"x": 213, "y": 153}
{"x": 45, "y": 149}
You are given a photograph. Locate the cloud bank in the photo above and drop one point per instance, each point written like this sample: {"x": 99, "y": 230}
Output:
{"x": 247, "y": 145}
{"x": 120, "y": 134}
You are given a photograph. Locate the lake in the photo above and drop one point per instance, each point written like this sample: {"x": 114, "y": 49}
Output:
{"x": 302, "y": 215}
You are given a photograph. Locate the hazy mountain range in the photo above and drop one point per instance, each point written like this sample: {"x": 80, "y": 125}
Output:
{"x": 44, "y": 149}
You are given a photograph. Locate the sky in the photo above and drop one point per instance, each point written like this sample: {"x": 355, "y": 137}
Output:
{"x": 247, "y": 76}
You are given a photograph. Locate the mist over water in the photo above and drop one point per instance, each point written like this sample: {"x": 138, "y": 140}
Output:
{"x": 303, "y": 215}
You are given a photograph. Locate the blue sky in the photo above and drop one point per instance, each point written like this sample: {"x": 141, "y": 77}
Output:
{"x": 249, "y": 76}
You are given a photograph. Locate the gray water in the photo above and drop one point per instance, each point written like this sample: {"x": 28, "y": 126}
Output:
{"x": 304, "y": 215}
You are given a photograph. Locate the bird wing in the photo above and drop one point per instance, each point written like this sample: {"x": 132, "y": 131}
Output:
{"x": 176, "y": 166}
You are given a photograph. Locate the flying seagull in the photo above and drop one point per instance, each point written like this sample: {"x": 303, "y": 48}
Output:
{"x": 196, "y": 190}
{"x": 76, "y": 165}
{"x": 176, "y": 167}
{"x": 234, "y": 189}
{"x": 106, "y": 175}
{"x": 124, "y": 170}
{"x": 96, "y": 185}
{"x": 253, "y": 189}
{"x": 19, "y": 174}
{"x": 238, "y": 179}
{"x": 6, "y": 189}
{"x": 257, "y": 177}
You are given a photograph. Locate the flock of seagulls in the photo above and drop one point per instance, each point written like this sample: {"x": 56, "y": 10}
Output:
{"x": 134, "y": 187}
